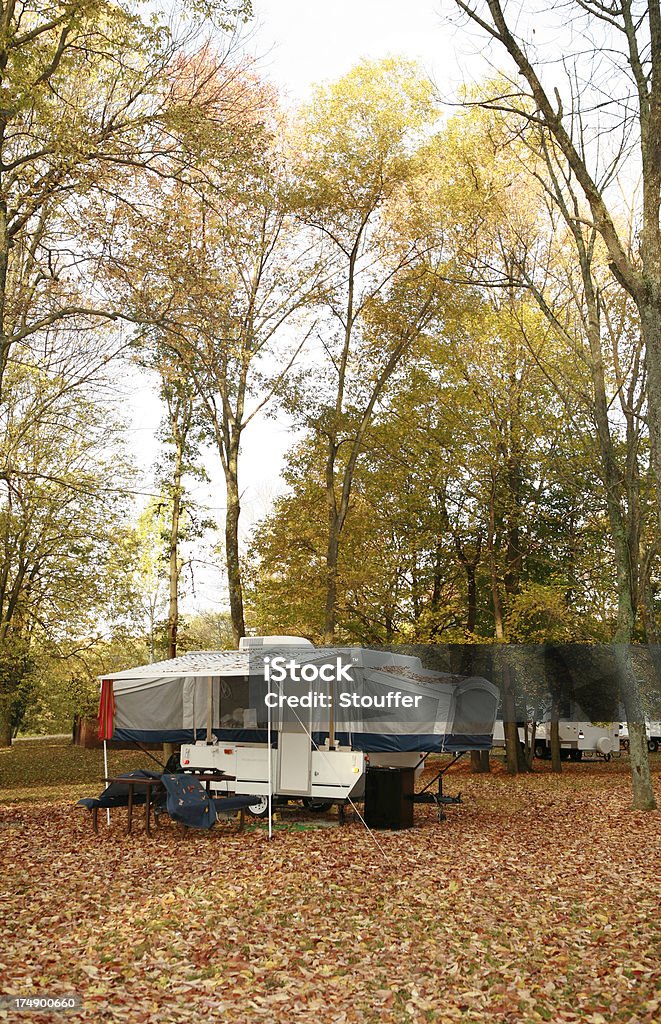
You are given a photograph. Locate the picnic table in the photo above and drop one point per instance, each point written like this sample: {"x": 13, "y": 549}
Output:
{"x": 149, "y": 785}
{"x": 134, "y": 787}
{"x": 190, "y": 804}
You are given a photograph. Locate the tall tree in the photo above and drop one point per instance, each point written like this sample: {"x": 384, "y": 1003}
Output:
{"x": 182, "y": 434}
{"x": 595, "y": 156}
{"x": 87, "y": 88}
{"x": 542, "y": 239}
{"x": 150, "y": 588}
{"x": 357, "y": 143}
{"x": 61, "y": 536}
{"x": 600, "y": 326}
{"x": 220, "y": 282}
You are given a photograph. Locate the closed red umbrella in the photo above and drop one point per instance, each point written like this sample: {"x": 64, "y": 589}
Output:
{"x": 106, "y": 710}
{"x": 106, "y": 719}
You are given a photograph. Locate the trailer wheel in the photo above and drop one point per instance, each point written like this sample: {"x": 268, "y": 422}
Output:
{"x": 318, "y": 806}
{"x": 540, "y": 750}
{"x": 575, "y": 755}
{"x": 260, "y": 808}
{"x": 653, "y": 745}
{"x": 624, "y": 745}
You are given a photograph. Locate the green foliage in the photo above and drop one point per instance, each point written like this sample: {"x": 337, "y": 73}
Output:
{"x": 206, "y": 631}
{"x": 63, "y": 532}
{"x": 359, "y": 136}
{"x": 224, "y": 14}
{"x": 16, "y": 683}
{"x": 89, "y": 90}
{"x": 540, "y": 613}
{"x": 470, "y": 444}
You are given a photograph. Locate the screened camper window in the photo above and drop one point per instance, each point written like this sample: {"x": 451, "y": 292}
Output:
{"x": 475, "y": 713}
{"x": 234, "y": 700}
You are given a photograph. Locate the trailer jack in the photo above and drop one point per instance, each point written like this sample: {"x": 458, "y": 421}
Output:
{"x": 426, "y": 796}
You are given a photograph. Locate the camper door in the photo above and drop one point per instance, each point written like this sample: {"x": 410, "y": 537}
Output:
{"x": 294, "y": 760}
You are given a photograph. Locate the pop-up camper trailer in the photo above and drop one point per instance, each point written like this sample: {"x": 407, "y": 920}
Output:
{"x": 322, "y": 712}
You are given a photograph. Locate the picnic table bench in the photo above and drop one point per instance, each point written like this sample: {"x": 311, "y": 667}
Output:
{"x": 186, "y": 797}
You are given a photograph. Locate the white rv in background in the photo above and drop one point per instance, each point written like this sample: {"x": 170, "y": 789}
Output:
{"x": 653, "y": 730}
{"x": 601, "y": 738}
{"x": 576, "y": 738}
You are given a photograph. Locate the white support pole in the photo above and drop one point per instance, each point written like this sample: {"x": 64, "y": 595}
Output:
{"x": 209, "y": 710}
{"x": 270, "y": 769}
{"x": 105, "y": 770}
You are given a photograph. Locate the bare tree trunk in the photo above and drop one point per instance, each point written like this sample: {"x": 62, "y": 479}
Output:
{"x": 470, "y": 567}
{"x": 650, "y": 321}
{"x": 232, "y": 552}
{"x": 643, "y": 791}
{"x": 180, "y": 411}
{"x": 152, "y": 636}
{"x": 471, "y": 618}
{"x": 553, "y": 686}
{"x": 173, "y": 556}
{"x": 479, "y": 758}
{"x": 495, "y": 583}
{"x": 512, "y": 745}
{"x": 5, "y": 728}
{"x": 529, "y": 746}
{"x": 480, "y": 763}
{"x": 332, "y": 555}
{"x": 228, "y": 430}
{"x": 437, "y": 583}
{"x": 650, "y": 624}
{"x": 512, "y": 757}
{"x": 4, "y": 265}
{"x": 390, "y": 623}
{"x": 556, "y": 759}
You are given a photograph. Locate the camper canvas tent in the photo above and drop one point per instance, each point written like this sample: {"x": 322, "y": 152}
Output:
{"x": 216, "y": 696}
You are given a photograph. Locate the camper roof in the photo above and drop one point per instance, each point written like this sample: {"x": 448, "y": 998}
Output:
{"x": 196, "y": 663}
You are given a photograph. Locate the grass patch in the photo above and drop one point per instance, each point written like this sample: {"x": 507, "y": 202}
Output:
{"x": 46, "y": 770}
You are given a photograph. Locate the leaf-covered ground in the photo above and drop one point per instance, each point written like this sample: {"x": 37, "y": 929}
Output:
{"x": 537, "y": 900}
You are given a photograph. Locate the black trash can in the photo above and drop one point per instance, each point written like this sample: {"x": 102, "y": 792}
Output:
{"x": 389, "y": 797}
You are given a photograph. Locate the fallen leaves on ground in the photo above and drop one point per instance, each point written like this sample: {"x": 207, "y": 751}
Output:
{"x": 537, "y": 900}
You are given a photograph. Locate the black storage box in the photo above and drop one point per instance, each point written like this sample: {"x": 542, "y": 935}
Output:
{"x": 389, "y": 797}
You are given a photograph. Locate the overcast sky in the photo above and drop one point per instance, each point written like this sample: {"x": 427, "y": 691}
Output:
{"x": 304, "y": 42}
